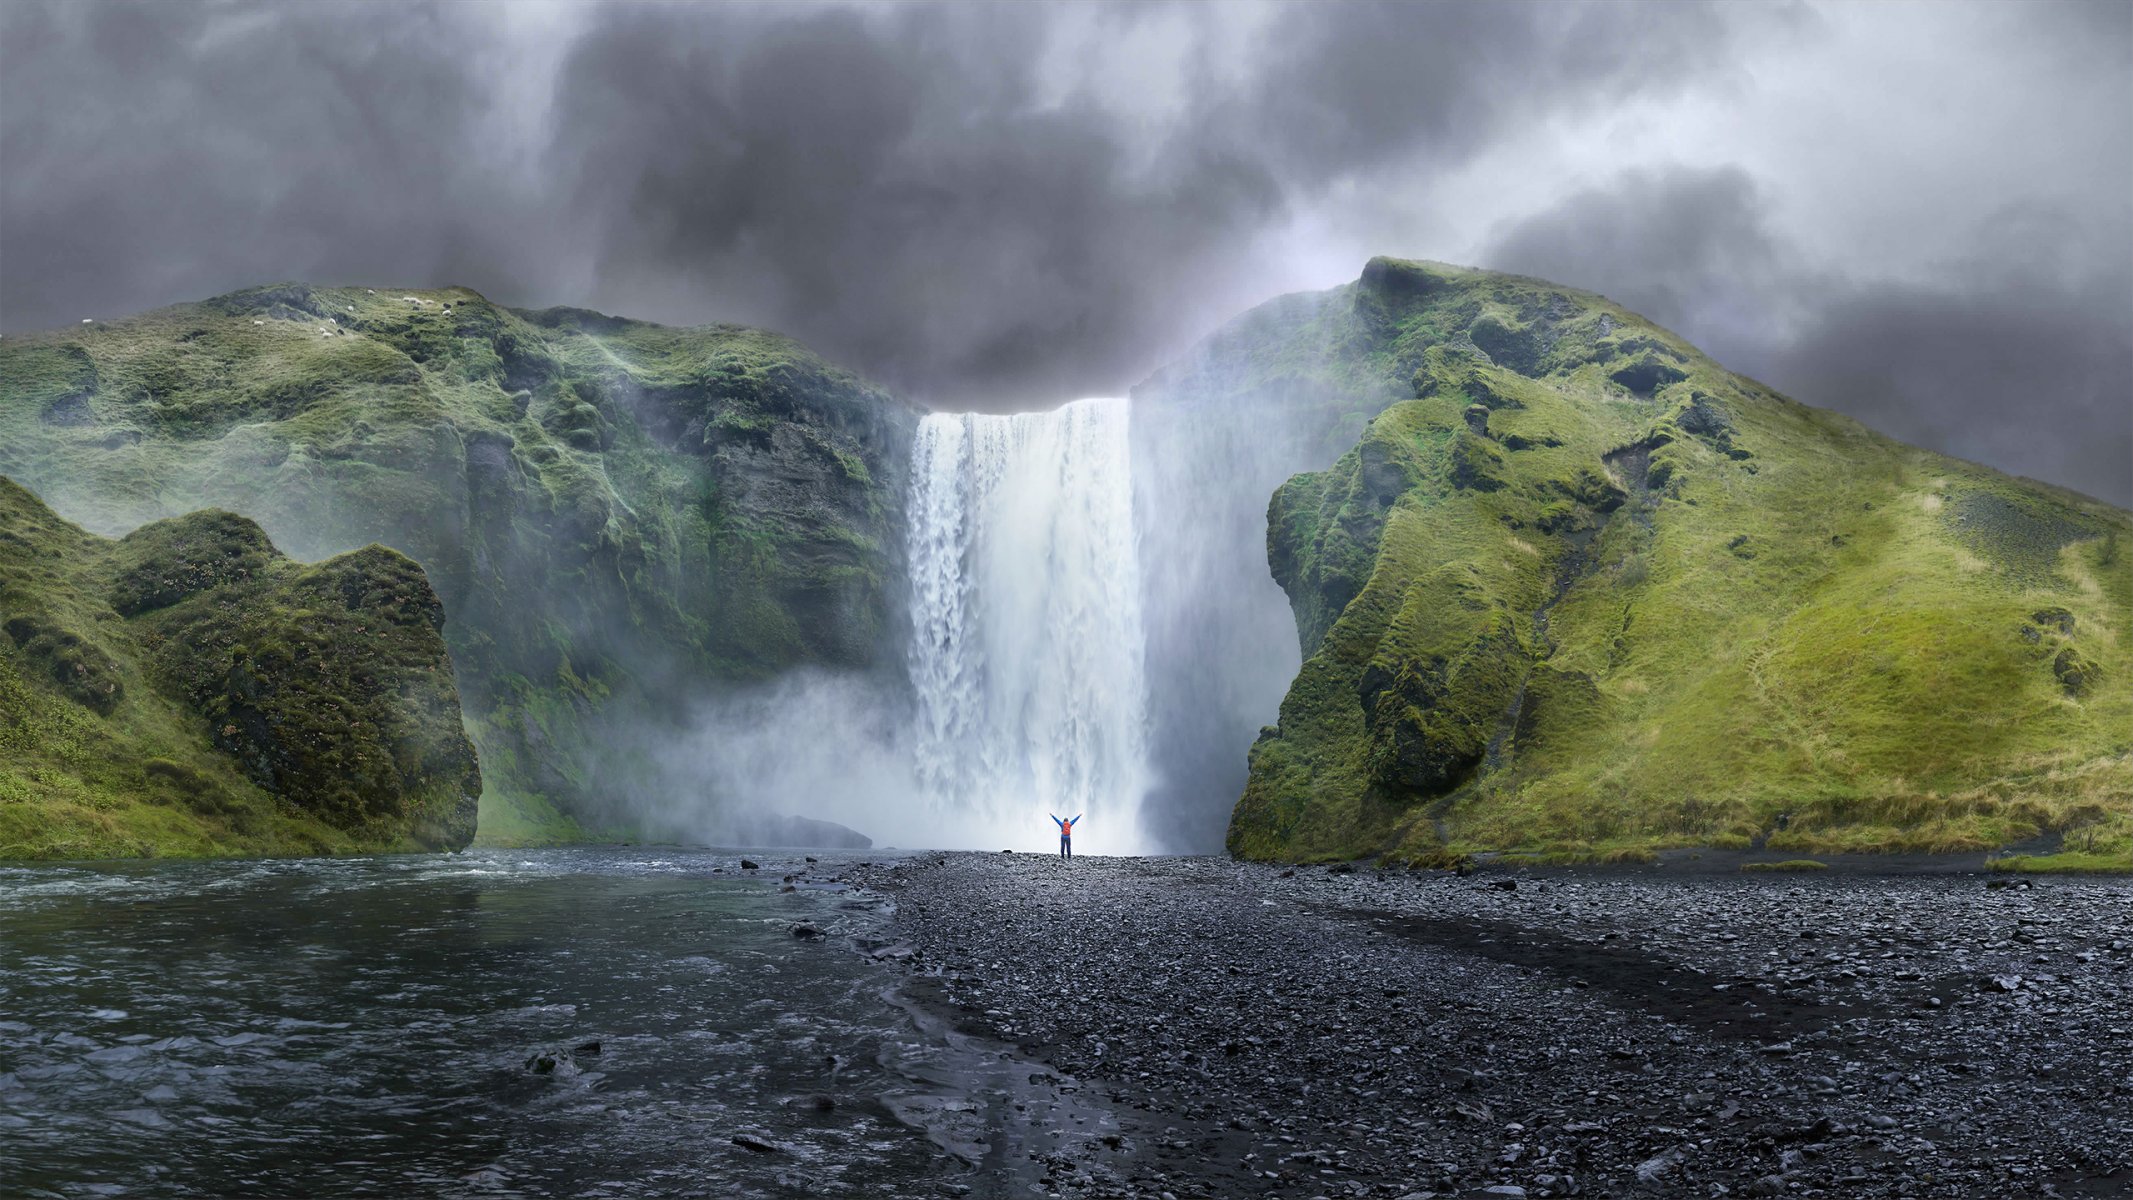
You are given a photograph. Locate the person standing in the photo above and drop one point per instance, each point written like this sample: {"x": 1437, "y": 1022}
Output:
{"x": 1066, "y": 834}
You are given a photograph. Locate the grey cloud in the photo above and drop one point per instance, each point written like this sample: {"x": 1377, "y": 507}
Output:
{"x": 154, "y": 153}
{"x": 2031, "y": 378}
{"x": 890, "y": 184}
{"x": 875, "y": 185}
{"x": 1688, "y": 248}
{"x": 2015, "y": 352}
{"x": 966, "y": 202}
{"x": 1371, "y": 83}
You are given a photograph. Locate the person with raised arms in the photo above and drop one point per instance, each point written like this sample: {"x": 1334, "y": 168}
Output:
{"x": 1066, "y": 834}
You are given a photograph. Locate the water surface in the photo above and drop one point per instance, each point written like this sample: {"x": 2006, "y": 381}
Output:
{"x": 373, "y": 1027}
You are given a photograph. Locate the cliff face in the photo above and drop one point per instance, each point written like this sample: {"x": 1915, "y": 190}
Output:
{"x": 1582, "y": 592}
{"x": 188, "y": 689}
{"x": 613, "y": 513}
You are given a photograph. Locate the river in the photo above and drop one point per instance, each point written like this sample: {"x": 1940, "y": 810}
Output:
{"x": 376, "y": 1026}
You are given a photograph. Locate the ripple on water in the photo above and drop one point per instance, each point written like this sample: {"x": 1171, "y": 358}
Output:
{"x": 337, "y": 1026}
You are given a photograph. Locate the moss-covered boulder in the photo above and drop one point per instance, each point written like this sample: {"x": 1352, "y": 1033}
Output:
{"x": 1584, "y": 593}
{"x": 190, "y": 690}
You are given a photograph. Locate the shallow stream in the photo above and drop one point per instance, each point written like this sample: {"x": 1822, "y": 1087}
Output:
{"x": 375, "y": 1026}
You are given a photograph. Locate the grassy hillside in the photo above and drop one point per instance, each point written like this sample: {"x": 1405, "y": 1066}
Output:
{"x": 614, "y": 513}
{"x": 189, "y": 690}
{"x": 1584, "y": 593}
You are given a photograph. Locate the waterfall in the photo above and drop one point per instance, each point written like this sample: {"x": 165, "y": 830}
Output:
{"x": 1027, "y": 649}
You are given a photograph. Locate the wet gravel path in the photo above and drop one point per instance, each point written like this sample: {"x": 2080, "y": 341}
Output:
{"x": 1347, "y": 1033}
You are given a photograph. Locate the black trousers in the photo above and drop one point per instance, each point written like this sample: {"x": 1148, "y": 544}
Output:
{"x": 1066, "y": 847}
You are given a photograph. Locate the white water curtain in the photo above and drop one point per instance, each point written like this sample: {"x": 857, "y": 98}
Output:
{"x": 1027, "y": 654}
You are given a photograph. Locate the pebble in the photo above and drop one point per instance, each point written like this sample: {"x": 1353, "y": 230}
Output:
{"x": 1260, "y": 1030}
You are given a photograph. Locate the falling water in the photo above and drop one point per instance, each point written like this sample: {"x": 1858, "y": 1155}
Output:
{"x": 1027, "y": 644}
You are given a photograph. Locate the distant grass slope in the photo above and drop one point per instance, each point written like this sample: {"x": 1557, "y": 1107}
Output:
{"x": 1587, "y": 594}
{"x": 188, "y": 690}
{"x": 613, "y": 512}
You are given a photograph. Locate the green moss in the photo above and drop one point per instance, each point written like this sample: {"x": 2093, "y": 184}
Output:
{"x": 2065, "y": 864}
{"x": 1683, "y": 611}
{"x": 594, "y": 499}
{"x": 1790, "y": 864}
{"x": 189, "y": 691}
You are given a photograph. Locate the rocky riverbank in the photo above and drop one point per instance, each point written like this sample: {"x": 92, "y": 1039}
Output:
{"x": 1346, "y": 1033}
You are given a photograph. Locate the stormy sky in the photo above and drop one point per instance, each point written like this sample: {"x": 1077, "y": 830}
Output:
{"x": 1919, "y": 214}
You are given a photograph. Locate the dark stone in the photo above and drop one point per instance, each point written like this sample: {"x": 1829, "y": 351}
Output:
{"x": 749, "y": 864}
{"x": 1513, "y": 441}
{"x": 1477, "y": 419}
{"x": 2054, "y": 618}
{"x": 2075, "y": 673}
{"x": 1705, "y": 420}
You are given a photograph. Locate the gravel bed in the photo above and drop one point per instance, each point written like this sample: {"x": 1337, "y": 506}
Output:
{"x": 1340, "y": 1033}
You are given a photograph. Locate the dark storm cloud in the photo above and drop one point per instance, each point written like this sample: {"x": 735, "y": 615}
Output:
{"x": 926, "y": 192}
{"x": 2031, "y": 376}
{"x": 1003, "y": 205}
{"x": 1683, "y": 247}
{"x": 892, "y": 186}
{"x": 2015, "y": 352}
{"x": 159, "y": 152}
{"x": 1367, "y": 84}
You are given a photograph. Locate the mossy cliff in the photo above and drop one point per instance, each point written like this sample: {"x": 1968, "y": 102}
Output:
{"x": 614, "y": 513}
{"x": 1584, "y": 593}
{"x": 188, "y": 689}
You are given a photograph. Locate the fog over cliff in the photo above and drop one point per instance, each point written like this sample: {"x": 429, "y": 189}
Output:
{"x": 1915, "y": 213}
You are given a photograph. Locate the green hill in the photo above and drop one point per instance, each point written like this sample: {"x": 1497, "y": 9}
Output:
{"x": 189, "y": 690}
{"x": 1584, "y": 593}
{"x": 615, "y": 514}
{"x": 1569, "y": 589}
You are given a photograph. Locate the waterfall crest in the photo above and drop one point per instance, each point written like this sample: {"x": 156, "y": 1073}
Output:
{"x": 1027, "y": 651}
